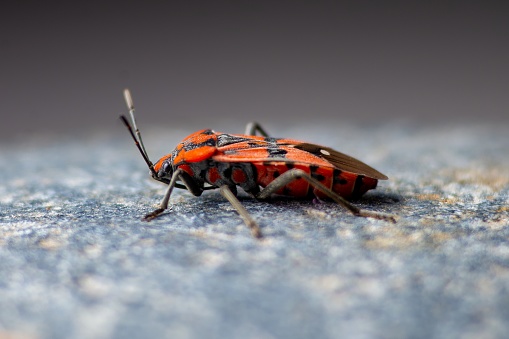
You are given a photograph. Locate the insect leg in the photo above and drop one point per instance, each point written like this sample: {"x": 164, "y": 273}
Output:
{"x": 244, "y": 214}
{"x": 295, "y": 174}
{"x": 253, "y": 127}
{"x": 164, "y": 203}
{"x": 190, "y": 184}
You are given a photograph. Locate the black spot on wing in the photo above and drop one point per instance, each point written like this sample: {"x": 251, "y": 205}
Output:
{"x": 252, "y": 144}
{"x": 276, "y": 152}
{"x": 191, "y": 146}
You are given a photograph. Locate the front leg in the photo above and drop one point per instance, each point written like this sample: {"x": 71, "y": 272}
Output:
{"x": 164, "y": 203}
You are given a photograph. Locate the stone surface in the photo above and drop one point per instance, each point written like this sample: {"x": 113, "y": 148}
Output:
{"x": 77, "y": 261}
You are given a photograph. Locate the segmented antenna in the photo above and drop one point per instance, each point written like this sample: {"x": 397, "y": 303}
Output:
{"x": 136, "y": 137}
{"x": 130, "y": 107}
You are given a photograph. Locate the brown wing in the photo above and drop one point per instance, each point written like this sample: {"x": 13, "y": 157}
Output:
{"x": 341, "y": 161}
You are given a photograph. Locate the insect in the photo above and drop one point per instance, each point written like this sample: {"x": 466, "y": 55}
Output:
{"x": 261, "y": 166}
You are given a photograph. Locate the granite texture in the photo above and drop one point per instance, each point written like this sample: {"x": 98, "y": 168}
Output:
{"x": 77, "y": 261}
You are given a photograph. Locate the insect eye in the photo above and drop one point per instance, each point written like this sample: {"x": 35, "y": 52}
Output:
{"x": 166, "y": 167}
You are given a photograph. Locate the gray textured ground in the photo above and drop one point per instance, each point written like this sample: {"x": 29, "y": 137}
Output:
{"x": 76, "y": 261}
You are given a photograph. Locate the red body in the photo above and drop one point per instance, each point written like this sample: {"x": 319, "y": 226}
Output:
{"x": 251, "y": 162}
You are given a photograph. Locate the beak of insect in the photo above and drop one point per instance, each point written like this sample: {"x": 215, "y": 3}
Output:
{"x": 154, "y": 174}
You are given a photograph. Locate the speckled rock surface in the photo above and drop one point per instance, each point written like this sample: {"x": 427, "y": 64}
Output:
{"x": 77, "y": 261}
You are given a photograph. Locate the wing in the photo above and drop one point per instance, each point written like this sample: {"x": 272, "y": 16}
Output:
{"x": 260, "y": 149}
{"x": 341, "y": 161}
{"x": 279, "y": 153}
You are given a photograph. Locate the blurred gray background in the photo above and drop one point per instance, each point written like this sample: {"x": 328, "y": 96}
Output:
{"x": 213, "y": 64}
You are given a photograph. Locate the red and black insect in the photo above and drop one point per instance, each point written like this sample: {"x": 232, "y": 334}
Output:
{"x": 261, "y": 166}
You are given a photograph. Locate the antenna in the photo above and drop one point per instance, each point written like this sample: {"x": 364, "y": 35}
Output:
{"x": 130, "y": 106}
{"x": 136, "y": 137}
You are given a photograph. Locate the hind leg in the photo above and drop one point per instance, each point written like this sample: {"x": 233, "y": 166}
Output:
{"x": 295, "y": 174}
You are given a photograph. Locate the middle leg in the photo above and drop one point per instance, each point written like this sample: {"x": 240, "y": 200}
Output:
{"x": 244, "y": 214}
{"x": 253, "y": 127}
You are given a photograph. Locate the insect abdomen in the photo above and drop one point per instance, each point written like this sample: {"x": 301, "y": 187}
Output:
{"x": 346, "y": 184}
{"x": 351, "y": 185}
{"x": 249, "y": 176}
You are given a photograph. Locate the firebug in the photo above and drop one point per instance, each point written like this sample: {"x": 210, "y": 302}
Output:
{"x": 261, "y": 165}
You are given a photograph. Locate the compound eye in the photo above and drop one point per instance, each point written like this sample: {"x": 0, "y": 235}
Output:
{"x": 166, "y": 167}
